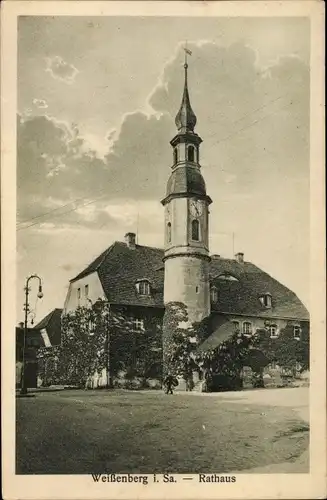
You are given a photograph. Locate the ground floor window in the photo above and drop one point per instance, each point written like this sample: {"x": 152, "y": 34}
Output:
{"x": 297, "y": 332}
{"x": 273, "y": 331}
{"x": 236, "y": 326}
{"x": 138, "y": 324}
{"x": 247, "y": 328}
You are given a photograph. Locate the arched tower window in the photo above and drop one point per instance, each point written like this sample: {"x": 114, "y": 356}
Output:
{"x": 169, "y": 232}
{"x": 195, "y": 230}
{"x": 190, "y": 153}
{"x": 175, "y": 155}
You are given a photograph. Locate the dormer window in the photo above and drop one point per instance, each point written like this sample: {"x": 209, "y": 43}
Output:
{"x": 266, "y": 300}
{"x": 190, "y": 153}
{"x": 227, "y": 277}
{"x": 143, "y": 287}
{"x": 214, "y": 294}
{"x": 195, "y": 230}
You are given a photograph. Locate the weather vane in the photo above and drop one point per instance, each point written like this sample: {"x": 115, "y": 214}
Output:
{"x": 187, "y": 52}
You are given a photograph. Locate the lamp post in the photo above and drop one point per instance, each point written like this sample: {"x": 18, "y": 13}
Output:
{"x": 23, "y": 389}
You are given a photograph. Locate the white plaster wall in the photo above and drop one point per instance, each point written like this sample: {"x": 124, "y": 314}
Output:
{"x": 177, "y": 212}
{"x": 187, "y": 281}
{"x": 95, "y": 292}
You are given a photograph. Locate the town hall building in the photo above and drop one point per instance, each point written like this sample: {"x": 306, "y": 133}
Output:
{"x": 141, "y": 280}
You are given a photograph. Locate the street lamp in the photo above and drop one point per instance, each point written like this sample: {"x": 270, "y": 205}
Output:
{"x": 23, "y": 389}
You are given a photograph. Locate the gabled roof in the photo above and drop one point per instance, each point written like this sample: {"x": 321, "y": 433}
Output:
{"x": 242, "y": 295}
{"x": 123, "y": 266}
{"x": 119, "y": 268}
{"x": 52, "y": 324}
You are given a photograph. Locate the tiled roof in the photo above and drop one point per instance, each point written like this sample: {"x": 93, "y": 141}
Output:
{"x": 94, "y": 264}
{"x": 123, "y": 266}
{"x": 120, "y": 267}
{"x": 242, "y": 295}
{"x": 52, "y": 324}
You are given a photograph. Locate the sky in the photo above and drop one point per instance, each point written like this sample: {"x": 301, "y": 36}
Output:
{"x": 97, "y": 98}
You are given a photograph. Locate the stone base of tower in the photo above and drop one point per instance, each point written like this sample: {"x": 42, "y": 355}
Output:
{"x": 187, "y": 282}
{"x": 187, "y": 303}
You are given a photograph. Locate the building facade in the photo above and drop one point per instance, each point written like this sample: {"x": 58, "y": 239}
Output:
{"x": 142, "y": 281}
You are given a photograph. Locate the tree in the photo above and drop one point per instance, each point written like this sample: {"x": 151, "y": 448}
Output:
{"x": 291, "y": 352}
{"x": 101, "y": 337}
{"x": 179, "y": 342}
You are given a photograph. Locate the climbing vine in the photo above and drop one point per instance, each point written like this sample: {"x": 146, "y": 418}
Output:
{"x": 101, "y": 338}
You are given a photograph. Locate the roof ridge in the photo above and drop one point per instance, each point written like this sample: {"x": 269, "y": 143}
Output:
{"x": 47, "y": 317}
{"x": 144, "y": 246}
{"x": 106, "y": 252}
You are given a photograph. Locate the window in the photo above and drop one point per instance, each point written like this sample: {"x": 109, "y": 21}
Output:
{"x": 175, "y": 155}
{"x": 143, "y": 287}
{"x": 190, "y": 153}
{"x": 195, "y": 230}
{"x": 214, "y": 294}
{"x": 227, "y": 277}
{"x": 169, "y": 232}
{"x": 247, "y": 328}
{"x": 138, "y": 324}
{"x": 78, "y": 293}
{"x": 273, "y": 330}
{"x": 86, "y": 291}
{"x": 196, "y": 289}
{"x": 297, "y": 332}
{"x": 266, "y": 300}
{"x": 32, "y": 342}
{"x": 236, "y": 326}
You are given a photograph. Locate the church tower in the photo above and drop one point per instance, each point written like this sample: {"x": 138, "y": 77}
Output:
{"x": 187, "y": 219}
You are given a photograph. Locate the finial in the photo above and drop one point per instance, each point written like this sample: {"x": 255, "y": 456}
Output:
{"x": 185, "y": 119}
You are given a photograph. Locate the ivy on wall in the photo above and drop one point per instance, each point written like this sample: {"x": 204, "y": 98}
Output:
{"x": 225, "y": 362}
{"x": 98, "y": 338}
{"x": 102, "y": 337}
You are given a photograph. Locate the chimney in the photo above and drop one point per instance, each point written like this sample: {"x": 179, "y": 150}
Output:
{"x": 239, "y": 257}
{"x": 130, "y": 240}
{"x": 21, "y": 325}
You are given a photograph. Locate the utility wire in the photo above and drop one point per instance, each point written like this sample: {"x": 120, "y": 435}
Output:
{"x": 51, "y": 211}
{"x": 63, "y": 213}
{"x": 217, "y": 142}
{"x": 253, "y": 123}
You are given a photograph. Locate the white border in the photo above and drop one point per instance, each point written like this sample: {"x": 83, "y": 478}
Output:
{"x": 311, "y": 485}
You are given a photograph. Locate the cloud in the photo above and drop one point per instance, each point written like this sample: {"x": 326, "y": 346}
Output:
{"x": 61, "y": 70}
{"x": 254, "y": 122}
{"x": 67, "y": 267}
{"x": 40, "y": 103}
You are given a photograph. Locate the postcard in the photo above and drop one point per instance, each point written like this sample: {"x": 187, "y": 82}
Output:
{"x": 163, "y": 270}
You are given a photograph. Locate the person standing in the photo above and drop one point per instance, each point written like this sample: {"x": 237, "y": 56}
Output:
{"x": 170, "y": 383}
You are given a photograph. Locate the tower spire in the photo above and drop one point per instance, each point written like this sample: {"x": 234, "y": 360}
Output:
{"x": 185, "y": 119}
